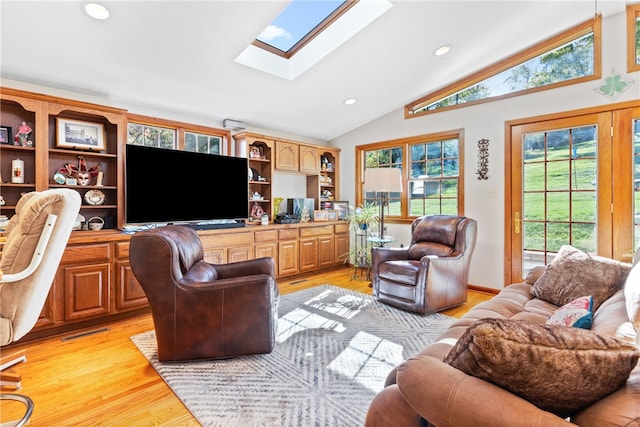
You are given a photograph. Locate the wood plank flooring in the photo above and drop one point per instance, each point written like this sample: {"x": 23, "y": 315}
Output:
{"x": 101, "y": 379}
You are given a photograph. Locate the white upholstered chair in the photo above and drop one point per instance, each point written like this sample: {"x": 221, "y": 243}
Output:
{"x": 33, "y": 244}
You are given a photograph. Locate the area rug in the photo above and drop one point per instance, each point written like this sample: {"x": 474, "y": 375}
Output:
{"x": 334, "y": 350}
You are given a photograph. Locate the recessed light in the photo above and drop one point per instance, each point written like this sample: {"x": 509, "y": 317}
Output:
{"x": 442, "y": 50}
{"x": 350, "y": 101}
{"x": 96, "y": 11}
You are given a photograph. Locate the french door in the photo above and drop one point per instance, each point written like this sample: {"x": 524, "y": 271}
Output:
{"x": 574, "y": 180}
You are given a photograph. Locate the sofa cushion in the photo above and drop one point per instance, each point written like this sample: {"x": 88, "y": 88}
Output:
{"x": 574, "y": 273}
{"x": 578, "y": 313}
{"x": 558, "y": 369}
{"x": 632, "y": 297}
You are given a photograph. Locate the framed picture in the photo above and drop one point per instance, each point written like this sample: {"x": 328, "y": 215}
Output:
{"x": 332, "y": 215}
{"x": 326, "y": 205}
{"x": 80, "y": 135}
{"x": 321, "y": 215}
{"x": 342, "y": 208}
{"x": 5, "y": 135}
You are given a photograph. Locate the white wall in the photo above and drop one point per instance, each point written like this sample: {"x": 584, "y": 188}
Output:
{"x": 484, "y": 200}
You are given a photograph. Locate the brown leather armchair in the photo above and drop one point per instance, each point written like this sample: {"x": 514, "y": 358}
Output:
{"x": 202, "y": 310}
{"x": 431, "y": 273}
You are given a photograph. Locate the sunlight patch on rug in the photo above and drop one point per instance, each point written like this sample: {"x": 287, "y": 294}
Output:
{"x": 334, "y": 350}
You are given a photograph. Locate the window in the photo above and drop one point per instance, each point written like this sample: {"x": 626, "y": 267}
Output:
{"x": 161, "y": 133}
{"x": 298, "y": 24}
{"x": 200, "y": 143}
{"x": 151, "y": 136}
{"x": 633, "y": 37}
{"x": 432, "y": 173}
{"x": 569, "y": 58}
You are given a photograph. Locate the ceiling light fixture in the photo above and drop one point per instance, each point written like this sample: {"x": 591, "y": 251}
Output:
{"x": 350, "y": 101}
{"x": 96, "y": 11}
{"x": 442, "y": 50}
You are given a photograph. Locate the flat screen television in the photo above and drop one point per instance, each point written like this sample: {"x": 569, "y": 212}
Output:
{"x": 174, "y": 186}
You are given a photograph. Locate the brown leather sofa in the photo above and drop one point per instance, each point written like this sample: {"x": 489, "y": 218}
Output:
{"x": 430, "y": 274}
{"x": 202, "y": 310}
{"x": 424, "y": 387}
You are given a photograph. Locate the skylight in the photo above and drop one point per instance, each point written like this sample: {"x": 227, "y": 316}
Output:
{"x": 326, "y": 27}
{"x": 298, "y": 22}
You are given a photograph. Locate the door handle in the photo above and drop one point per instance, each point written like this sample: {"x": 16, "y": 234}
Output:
{"x": 516, "y": 222}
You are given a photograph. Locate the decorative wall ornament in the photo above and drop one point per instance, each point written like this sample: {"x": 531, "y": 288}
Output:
{"x": 614, "y": 85}
{"x": 483, "y": 159}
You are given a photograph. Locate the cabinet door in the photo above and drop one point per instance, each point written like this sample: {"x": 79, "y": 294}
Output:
{"x": 266, "y": 250}
{"x": 342, "y": 248}
{"x": 308, "y": 254}
{"x": 129, "y": 293}
{"x": 287, "y": 156}
{"x": 326, "y": 251}
{"x": 309, "y": 159}
{"x": 287, "y": 257}
{"x": 86, "y": 291}
{"x": 215, "y": 256}
{"x": 239, "y": 254}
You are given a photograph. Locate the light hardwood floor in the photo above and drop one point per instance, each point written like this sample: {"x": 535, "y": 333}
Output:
{"x": 102, "y": 379}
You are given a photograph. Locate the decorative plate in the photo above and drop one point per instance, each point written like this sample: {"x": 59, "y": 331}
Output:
{"x": 94, "y": 197}
{"x": 250, "y": 175}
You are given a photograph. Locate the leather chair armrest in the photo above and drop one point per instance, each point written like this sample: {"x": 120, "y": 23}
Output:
{"x": 246, "y": 268}
{"x": 381, "y": 254}
{"x": 446, "y": 396}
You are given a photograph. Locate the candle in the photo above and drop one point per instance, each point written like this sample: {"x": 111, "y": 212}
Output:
{"x": 17, "y": 171}
{"x": 99, "y": 179}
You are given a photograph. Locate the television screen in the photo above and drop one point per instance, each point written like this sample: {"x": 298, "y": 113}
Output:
{"x": 174, "y": 186}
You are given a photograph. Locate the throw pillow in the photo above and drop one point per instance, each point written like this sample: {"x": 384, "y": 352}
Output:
{"x": 561, "y": 370}
{"x": 574, "y": 273}
{"x": 632, "y": 297}
{"x": 577, "y": 313}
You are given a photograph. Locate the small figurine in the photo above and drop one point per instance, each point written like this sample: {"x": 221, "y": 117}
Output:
{"x": 255, "y": 153}
{"x": 256, "y": 196}
{"x": 256, "y": 211}
{"x": 21, "y": 137}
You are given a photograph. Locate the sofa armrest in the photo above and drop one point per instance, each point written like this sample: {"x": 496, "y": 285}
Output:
{"x": 246, "y": 268}
{"x": 446, "y": 396}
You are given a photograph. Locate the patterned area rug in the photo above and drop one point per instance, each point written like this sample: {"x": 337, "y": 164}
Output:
{"x": 334, "y": 350}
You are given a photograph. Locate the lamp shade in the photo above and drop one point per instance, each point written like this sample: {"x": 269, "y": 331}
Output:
{"x": 383, "y": 180}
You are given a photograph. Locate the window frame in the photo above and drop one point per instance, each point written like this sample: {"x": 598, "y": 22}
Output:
{"x": 633, "y": 13}
{"x": 324, "y": 24}
{"x": 592, "y": 26}
{"x": 405, "y": 144}
{"x": 181, "y": 129}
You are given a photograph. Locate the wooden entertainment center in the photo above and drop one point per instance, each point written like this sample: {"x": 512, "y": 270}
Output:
{"x": 94, "y": 283}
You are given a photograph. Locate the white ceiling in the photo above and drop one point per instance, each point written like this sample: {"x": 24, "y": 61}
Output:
{"x": 178, "y": 56}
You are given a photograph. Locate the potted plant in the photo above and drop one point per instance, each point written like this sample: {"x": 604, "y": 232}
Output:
{"x": 361, "y": 219}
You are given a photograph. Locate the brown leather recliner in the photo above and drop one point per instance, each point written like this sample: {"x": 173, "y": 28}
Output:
{"x": 202, "y": 310}
{"x": 430, "y": 274}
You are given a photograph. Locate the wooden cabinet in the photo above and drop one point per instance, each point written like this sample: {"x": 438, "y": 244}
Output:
{"x": 129, "y": 292}
{"x": 309, "y": 159}
{"x": 85, "y": 273}
{"x": 225, "y": 247}
{"x": 259, "y": 151}
{"x": 287, "y": 156}
{"x": 43, "y": 155}
{"x": 308, "y": 254}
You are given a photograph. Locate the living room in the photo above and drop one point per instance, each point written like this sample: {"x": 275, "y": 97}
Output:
{"x": 488, "y": 201}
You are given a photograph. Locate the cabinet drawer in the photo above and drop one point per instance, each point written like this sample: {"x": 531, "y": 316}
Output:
{"x": 341, "y": 228}
{"x": 82, "y": 253}
{"x": 316, "y": 231}
{"x": 225, "y": 240}
{"x": 288, "y": 234}
{"x": 266, "y": 236}
{"x": 122, "y": 250}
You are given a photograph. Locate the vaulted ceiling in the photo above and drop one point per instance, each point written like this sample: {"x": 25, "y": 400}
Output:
{"x": 179, "y": 56}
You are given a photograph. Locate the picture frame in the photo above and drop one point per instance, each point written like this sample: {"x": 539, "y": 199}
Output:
{"x": 332, "y": 215}
{"x": 5, "y": 135}
{"x": 342, "y": 208}
{"x": 321, "y": 215}
{"x": 80, "y": 135}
